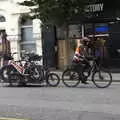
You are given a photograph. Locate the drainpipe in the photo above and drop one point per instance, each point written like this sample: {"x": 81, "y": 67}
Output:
{"x": 83, "y": 34}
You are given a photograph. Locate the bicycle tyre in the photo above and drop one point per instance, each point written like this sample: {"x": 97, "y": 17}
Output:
{"x": 6, "y": 71}
{"x": 15, "y": 80}
{"x": 97, "y": 82}
{"x": 67, "y": 81}
{"x": 51, "y": 81}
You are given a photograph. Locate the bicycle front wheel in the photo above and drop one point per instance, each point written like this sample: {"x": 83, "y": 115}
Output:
{"x": 53, "y": 80}
{"x": 70, "y": 78}
{"x": 102, "y": 78}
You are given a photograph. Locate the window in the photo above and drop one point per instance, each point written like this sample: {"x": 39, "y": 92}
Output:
{"x": 88, "y": 29}
{"x": 27, "y": 34}
{"x": 101, "y": 28}
{"x": 28, "y": 47}
{"x": 28, "y": 43}
{"x": 75, "y": 31}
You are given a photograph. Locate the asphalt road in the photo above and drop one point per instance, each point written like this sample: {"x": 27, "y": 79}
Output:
{"x": 61, "y": 103}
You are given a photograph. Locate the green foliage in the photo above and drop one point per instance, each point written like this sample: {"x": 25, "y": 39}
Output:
{"x": 58, "y": 12}
{"x": 27, "y": 3}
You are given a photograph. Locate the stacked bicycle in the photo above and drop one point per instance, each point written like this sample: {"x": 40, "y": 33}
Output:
{"x": 27, "y": 71}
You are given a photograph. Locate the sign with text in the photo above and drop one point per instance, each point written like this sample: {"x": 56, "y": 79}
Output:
{"x": 94, "y": 7}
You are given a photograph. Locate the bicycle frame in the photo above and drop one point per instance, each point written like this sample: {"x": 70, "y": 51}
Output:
{"x": 19, "y": 68}
{"x": 93, "y": 67}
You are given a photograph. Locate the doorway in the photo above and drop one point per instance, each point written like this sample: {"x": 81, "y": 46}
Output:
{"x": 114, "y": 38}
{"x": 49, "y": 46}
{"x": 4, "y": 43}
{"x": 4, "y": 47}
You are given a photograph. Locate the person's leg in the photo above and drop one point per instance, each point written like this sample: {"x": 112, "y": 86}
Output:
{"x": 80, "y": 68}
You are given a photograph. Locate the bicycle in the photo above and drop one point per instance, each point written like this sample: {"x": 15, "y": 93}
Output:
{"x": 23, "y": 74}
{"x": 95, "y": 70}
{"x": 52, "y": 79}
{"x": 16, "y": 73}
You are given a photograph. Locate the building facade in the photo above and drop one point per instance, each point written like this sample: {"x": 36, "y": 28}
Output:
{"x": 25, "y": 34}
{"x": 22, "y": 32}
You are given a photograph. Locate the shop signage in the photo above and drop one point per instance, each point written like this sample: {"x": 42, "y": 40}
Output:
{"x": 94, "y": 7}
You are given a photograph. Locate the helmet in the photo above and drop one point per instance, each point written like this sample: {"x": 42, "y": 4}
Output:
{"x": 85, "y": 40}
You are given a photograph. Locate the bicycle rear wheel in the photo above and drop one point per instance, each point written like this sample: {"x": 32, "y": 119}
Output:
{"x": 53, "y": 80}
{"x": 6, "y": 71}
{"x": 71, "y": 78}
{"x": 102, "y": 78}
{"x": 14, "y": 79}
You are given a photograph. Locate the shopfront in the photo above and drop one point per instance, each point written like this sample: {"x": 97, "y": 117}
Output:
{"x": 101, "y": 20}
{"x": 104, "y": 24}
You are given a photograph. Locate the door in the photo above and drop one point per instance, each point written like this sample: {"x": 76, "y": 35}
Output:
{"x": 49, "y": 46}
{"x": 114, "y": 40}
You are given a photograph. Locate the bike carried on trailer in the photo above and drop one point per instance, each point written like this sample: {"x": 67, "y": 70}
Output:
{"x": 27, "y": 71}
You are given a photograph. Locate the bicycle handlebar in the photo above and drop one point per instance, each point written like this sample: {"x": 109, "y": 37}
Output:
{"x": 31, "y": 57}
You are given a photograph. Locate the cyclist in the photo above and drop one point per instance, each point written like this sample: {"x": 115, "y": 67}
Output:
{"x": 79, "y": 58}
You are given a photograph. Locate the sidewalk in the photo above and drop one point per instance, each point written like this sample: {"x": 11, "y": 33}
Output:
{"x": 115, "y": 74}
{"x": 116, "y": 77}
